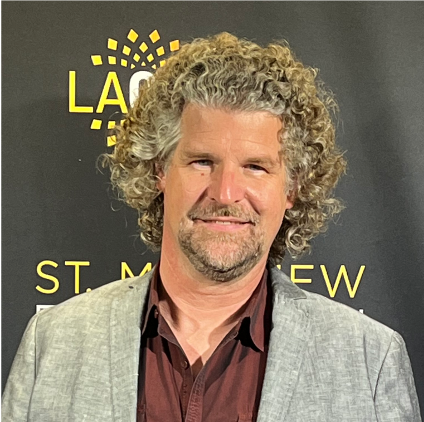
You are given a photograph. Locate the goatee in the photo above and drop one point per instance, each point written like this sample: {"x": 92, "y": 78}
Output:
{"x": 222, "y": 256}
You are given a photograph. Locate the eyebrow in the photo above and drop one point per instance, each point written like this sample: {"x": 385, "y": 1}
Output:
{"x": 197, "y": 155}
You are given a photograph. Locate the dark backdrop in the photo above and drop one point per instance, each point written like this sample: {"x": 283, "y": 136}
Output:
{"x": 63, "y": 231}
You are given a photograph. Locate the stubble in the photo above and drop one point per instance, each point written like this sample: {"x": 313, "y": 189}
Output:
{"x": 222, "y": 256}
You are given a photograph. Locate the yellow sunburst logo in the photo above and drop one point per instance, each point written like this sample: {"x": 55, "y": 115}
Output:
{"x": 142, "y": 55}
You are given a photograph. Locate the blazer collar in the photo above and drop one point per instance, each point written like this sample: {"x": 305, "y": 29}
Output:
{"x": 289, "y": 335}
{"x": 125, "y": 334}
{"x": 290, "y": 332}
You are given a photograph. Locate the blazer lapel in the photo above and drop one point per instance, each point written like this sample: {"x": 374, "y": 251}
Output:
{"x": 289, "y": 335}
{"x": 125, "y": 336}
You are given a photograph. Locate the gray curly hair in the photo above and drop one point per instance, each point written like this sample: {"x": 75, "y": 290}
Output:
{"x": 224, "y": 71}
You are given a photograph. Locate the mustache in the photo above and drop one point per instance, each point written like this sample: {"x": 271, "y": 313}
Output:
{"x": 215, "y": 210}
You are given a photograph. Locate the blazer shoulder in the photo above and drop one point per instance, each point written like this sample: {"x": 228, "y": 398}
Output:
{"x": 338, "y": 316}
{"x": 89, "y": 307}
{"x": 333, "y": 322}
{"x": 339, "y": 327}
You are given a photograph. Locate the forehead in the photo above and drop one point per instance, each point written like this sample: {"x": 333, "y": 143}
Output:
{"x": 206, "y": 127}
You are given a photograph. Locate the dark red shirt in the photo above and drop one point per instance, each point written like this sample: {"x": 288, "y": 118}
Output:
{"x": 228, "y": 387}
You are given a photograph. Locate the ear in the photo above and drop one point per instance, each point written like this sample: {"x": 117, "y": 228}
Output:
{"x": 291, "y": 197}
{"x": 161, "y": 177}
{"x": 290, "y": 200}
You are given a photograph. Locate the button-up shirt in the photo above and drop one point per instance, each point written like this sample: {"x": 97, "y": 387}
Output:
{"x": 227, "y": 388}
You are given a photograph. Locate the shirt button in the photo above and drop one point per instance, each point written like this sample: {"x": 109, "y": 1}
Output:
{"x": 156, "y": 313}
{"x": 184, "y": 364}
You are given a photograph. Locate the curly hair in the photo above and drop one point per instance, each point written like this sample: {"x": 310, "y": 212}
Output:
{"x": 223, "y": 71}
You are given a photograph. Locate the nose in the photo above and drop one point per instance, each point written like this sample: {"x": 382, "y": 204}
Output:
{"x": 227, "y": 185}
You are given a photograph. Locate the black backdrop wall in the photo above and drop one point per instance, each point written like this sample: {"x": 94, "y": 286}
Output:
{"x": 65, "y": 63}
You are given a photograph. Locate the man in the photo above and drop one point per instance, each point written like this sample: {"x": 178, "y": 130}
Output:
{"x": 228, "y": 154}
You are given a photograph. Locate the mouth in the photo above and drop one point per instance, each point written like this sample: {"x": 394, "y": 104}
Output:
{"x": 223, "y": 223}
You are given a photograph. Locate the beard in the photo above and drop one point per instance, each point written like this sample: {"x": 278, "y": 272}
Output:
{"x": 221, "y": 256}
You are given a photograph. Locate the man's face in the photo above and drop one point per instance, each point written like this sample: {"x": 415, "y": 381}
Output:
{"x": 224, "y": 191}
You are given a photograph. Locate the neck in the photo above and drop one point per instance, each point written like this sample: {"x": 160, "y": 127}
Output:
{"x": 191, "y": 301}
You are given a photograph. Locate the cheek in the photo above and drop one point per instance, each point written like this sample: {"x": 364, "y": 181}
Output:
{"x": 269, "y": 199}
{"x": 184, "y": 189}
{"x": 195, "y": 185}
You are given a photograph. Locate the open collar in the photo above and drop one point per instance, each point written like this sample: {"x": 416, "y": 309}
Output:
{"x": 290, "y": 332}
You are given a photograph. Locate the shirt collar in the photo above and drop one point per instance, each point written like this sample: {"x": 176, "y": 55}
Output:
{"x": 255, "y": 313}
{"x": 153, "y": 302}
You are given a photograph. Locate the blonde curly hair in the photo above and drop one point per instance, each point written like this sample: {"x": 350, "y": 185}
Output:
{"x": 224, "y": 71}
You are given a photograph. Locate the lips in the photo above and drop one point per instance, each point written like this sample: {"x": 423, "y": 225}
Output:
{"x": 223, "y": 221}
{"x": 226, "y": 223}
{"x": 222, "y": 225}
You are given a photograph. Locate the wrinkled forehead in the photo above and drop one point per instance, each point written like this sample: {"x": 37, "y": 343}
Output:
{"x": 206, "y": 126}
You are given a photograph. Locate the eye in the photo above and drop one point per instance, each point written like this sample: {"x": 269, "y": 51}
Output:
{"x": 202, "y": 163}
{"x": 255, "y": 168}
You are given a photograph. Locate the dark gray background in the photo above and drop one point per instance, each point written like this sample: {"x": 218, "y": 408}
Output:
{"x": 56, "y": 206}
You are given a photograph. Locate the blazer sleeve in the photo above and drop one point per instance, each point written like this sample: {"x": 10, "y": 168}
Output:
{"x": 17, "y": 394}
{"x": 395, "y": 395}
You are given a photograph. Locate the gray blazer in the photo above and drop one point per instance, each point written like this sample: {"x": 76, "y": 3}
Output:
{"x": 78, "y": 361}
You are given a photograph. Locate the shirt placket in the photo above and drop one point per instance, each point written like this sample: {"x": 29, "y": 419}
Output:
{"x": 195, "y": 404}
{"x": 179, "y": 359}
{"x": 187, "y": 385}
